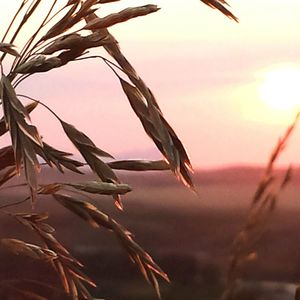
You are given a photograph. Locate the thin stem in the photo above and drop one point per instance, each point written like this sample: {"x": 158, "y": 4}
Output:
{"x": 25, "y": 56}
{"x": 20, "y": 79}
{"x": 13, "y": 20}
{"x": 27, "y": 15}
{"x": 10, "y": 25}
{"x": 107, "y": 61}
{"x": 13, "y": 204}
{"x": 13, "y": 186}
{"x": 39, "y": 29}
{"x": 1, "y": 67}
{"x": 50, "y": 19}
{"x": 43, "y": 104}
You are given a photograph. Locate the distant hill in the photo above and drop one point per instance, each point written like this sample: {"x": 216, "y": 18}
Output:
{"x": 226, "y": 175}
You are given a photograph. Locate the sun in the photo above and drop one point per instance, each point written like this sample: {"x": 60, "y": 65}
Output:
{"x": 280, "y": 88}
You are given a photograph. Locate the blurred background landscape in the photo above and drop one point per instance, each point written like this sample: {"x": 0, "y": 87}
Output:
{"x": 189, "y": 237}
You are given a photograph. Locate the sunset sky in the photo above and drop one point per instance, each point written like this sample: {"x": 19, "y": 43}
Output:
{"x": 220, "y": 84}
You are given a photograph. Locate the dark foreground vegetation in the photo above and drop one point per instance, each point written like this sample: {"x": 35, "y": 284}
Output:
{"x": 60, "y": 33}
{"x": 190, "y": 238}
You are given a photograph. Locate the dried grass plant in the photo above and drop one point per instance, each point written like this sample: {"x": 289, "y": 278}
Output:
{"x": 262, "y": 206}
{"x": 55, "y": 42}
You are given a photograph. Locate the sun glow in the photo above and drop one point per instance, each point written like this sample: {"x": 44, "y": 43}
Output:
{"x": 272, "y": 97}
{"x": 280, "y": 88}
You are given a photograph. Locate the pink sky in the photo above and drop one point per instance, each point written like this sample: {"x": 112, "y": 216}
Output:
{"x": 203, "y": 69}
